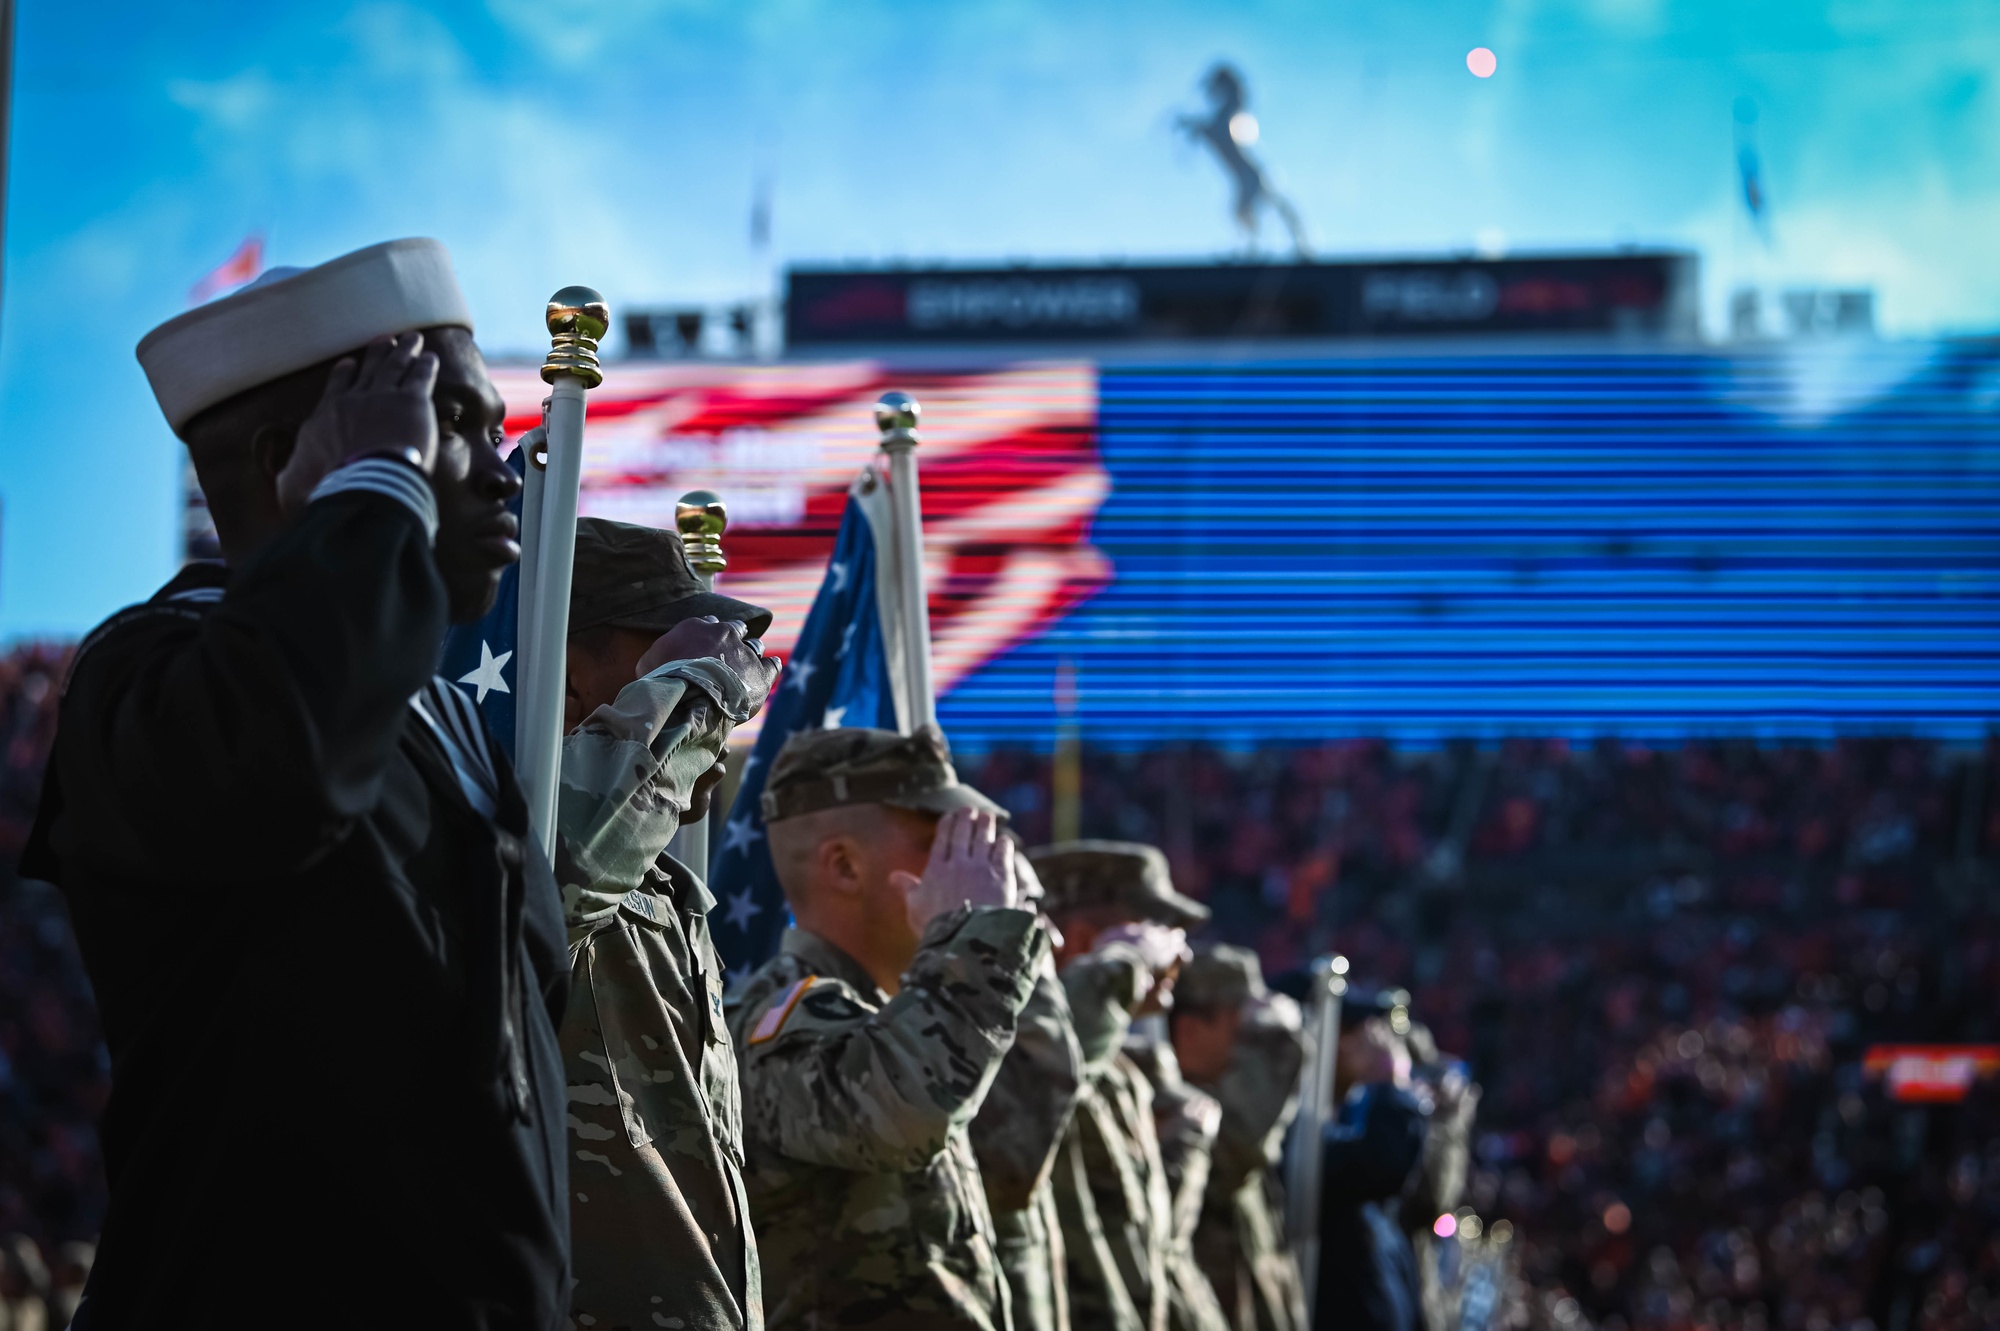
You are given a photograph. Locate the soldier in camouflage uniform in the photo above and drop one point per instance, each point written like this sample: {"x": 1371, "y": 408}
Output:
{"x": 1015, "y": 1137}
{"x": 659, "y": 670}
{"x": 1440, "y": 1182}
{"x": 868, "y": 1044}
{"x": 1243, "y": 1044}
{"x": 1122, "y": 924}
{"x": 1186, "y": 1120}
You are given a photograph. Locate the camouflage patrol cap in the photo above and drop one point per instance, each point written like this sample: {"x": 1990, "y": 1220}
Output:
{"x": 1219, "y": 976}
{"x": 633, "y": 577}
{"x": 1114, "y": 873}
{"x": 832, "y": 769}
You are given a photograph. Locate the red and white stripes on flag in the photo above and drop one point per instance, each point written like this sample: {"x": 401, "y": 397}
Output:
{"x": 1008, "y": 462}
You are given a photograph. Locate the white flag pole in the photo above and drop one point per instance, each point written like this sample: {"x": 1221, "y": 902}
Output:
{"x": 896, "y": 418}
{"x": 1316, "y": 1104}
{"x": 577, "y": 318}
{"x": 701, "y": 517}
{"x": 535, "y": 449}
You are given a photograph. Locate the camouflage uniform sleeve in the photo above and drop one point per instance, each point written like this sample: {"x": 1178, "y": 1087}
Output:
{"x": 629, "y": 769}
{"x": 1029, "y": 1104}
{"x": 1259, "y": 1092}
{"x": 1440, "y": 1183}
{"x": 1103, "y": 988}
{"x": 880, "y": 1090}
{"x": 1185, "y": 1120}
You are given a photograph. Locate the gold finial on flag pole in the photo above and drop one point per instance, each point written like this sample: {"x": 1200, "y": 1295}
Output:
{"x": 701, "y": 517}
{"x": 577, "y": 319}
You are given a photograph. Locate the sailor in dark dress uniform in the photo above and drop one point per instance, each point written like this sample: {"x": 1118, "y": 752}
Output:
{"x": 329, "y": 957}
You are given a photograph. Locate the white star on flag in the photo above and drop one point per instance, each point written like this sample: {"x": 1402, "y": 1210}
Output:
{"x": 831, "y": 721}
{"x": 486, "y": 677}
{"x": 742, "y": 910}
{"x": 738, "y": 834}
{"x": 847, "y": 637}
{"x": 798, "y": 672}
{"x": 839, "y": 571}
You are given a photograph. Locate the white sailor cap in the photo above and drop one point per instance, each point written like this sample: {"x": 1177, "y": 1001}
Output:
{"x": 291, "y": 318}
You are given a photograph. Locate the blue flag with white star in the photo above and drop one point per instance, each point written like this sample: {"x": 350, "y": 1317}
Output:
{"x": 837, "y": 675}
{"x": 479, "y": 657}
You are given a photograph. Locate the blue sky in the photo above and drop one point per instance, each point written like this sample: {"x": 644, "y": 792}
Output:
{"x": 619, "y": 147}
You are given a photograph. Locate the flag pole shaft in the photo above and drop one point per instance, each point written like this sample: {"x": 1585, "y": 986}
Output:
{"x": 534, "y": 446}
{"x": 576, "y": 319}
{"x": 1316, "y": 1088}
{"x": 896, "y": 416}
{"x": 701, "y": 517}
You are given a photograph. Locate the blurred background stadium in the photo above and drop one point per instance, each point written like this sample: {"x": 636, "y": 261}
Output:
{"x": 1534, "y": 533}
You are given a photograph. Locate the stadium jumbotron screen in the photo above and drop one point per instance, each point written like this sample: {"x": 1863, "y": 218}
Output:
{"x": 1796, "y": 541}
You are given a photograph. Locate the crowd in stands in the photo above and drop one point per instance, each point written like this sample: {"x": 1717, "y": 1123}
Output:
{"x": 1662, "y": 963}
{"x": 53, "y": 1073}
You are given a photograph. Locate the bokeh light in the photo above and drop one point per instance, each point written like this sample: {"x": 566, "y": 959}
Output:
{"x": 1481, "y": 62}
{"x": 1446, "y": 1226}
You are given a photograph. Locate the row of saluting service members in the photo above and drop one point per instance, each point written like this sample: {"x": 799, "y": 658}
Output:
{"x": 376, "y": 1061}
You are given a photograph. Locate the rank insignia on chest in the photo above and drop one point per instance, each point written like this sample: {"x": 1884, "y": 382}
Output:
{"x": 774, "y": 1017}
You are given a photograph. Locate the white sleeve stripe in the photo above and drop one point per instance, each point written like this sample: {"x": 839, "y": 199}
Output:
{"x": 385, "y": 476}
{"x": 471, "y": 766}
{"x": 465, "y": 725}
{"x": 448, "y": 712}
{"x": 472, "y": 728}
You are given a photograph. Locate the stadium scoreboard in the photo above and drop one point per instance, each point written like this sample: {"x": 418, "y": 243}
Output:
{"x": 1643, "y": 294}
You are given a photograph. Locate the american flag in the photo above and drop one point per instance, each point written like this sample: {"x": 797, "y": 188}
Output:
{"x": 1010, "y": 474}
{"x": 837, "y": 674}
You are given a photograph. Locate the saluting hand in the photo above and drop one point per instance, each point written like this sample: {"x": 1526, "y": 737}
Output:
{"x": 971, "y": 864}
{"x": 1163, "y": 947}
{"x": 694, "y": 639}
{"x": 377, "y": 403}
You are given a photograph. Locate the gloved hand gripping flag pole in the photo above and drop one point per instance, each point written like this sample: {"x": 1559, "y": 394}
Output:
{"x": 577, "y": 318}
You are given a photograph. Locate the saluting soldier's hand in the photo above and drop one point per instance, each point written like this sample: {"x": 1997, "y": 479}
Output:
{"x": 377, "y": 403}
{"x": 693, "y": 639}
{"x": 1164, "y": 948}
{"x": 1162, "y": 945}
{"x": 971, "y": 864}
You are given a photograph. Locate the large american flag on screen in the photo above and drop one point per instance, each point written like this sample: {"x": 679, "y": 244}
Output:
{"x": 1009, "y": 467}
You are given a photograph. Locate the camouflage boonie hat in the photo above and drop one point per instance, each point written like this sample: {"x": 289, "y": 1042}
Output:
{"x": 633, "y": 577}
{"x": 1219, "y": 976}
{"x": 1114, "y": 873}
{"x": 832, "y": 769}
